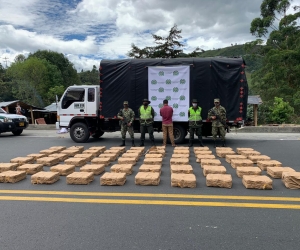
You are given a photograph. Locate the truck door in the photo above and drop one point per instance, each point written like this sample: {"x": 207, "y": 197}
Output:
{"x": 73, "y": 104}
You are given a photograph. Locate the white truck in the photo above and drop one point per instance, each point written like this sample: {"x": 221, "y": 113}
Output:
{"x": 92, "y": 110}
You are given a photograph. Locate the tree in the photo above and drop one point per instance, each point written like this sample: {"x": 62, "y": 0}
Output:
{"x": 89, "y": 77}
{"x": 166, "y": 47}
{"x": 66, "y": 68}
{"x": 279, "y": 74}
{"x": 280, "y": 111}
{"x": 20, "y": 58}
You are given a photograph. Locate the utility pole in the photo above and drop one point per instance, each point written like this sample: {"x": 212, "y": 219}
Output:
{"x": 5, "y": 60}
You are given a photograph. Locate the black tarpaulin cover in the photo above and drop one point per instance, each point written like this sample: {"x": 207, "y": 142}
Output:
{"x": 224, "y": 78}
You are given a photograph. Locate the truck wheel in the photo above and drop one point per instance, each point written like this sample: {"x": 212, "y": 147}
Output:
{"x": 98, "y": 134}
{"x": 17, "y": 132}
{"x": 79, "y": 132}
{"x": 179, "y": 133}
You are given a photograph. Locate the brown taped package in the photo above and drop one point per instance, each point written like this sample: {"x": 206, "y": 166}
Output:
{"x": 241, "y": 163}
{"x": 63, "y": 169}
{"x": 185, "y": 152}
{"x": 70, "y": 152}
{"x": 241, "y": 171}
{"x": 80, "y": 178}
{"x": 200, "y": 157}
{"x": 36, "y": 156}
{"x": 276, "y": 172}
{"x": 147, "y": 179}
{"x": 153, "y": 156}
{"x": 31, "y": 168}
{"x": 48, "y": 161}
{"x": 87, "y": 157}
{"x": 162, "y": 152}
{"x": 22, "y": 160}
{"x": 12, "y": 176}
{"x": 59, "y": 156}
{"x": 139, "y": 152}
{"x": 211, "y": 162}
{"x": 117, "y": 152}
{"x": 48, "y": 152}
{"x": 113, "y": 179}
{"x": 140, "y": 149}
{"x": 179, "y": 161}
{"x": 161, "y": 147}
{"x": 122, "y": 149}
{"x": 257, "y": 182}
{"x": 136, "y": 156}
{"x": 219, "y": 180}
{"x": 250, "y": 152}
{"x": 100, "y": 149}
{"x": 228, "y": 158}
{"x": 291, "y": 180}
{"x": 80, "y": 148}
{"x": 256, "y": 158}
{"x": 223, "y": 148}
{"x": 122, "y": 168}
{"x": 152, "y": 161}
{"x": 94, "y": 152}
{"x": 78, "y": 162}
{"x": 181, "y": 169}
{"x": 183, "y": 180}
{"x": 104, "y": 161}
{"x": 180, "y": 155}
{"x": 263, "y": 165}
{"x": 123, "y": 160}
{"x": 8, "y": 166}
{"x": 150, "y": 168}
{"x": 95, "y": 169}
{"x": 208, "y": 169}
{"x": 207, "y": 152}
{"x": 112, "y": 157}
{"x": 196, "y": 149}
{"x": 45, "y": 178}
{"x": 239, "y": 150}
{"x": 60, "y": 148}
{"x": 224, "y": 153}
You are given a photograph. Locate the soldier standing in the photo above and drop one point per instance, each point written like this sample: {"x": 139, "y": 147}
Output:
{"x": 195, "y": 122}
{"x": 126, "y": 116}
{"x": 146, "y": 114}
{"x": 218, "y": 116}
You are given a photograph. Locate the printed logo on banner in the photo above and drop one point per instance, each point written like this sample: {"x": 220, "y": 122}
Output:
{"x": 153, "y": 82}
{"x": 169, "y": 98}
{"x": 153, "y": 98}
{"x": 182, "y": 81}
{"x": 160, "y": 105}
{"x": 175, "y": 89}
{"x": 182, "y": 114}
{"x": 182, "y": 98}
{"x": 168, "y": 81}
{"x": 161, "y": 90}
{"x": 175, "y": 73}
{"x": 175, "y": 105}
{"x": 161, "y": 73}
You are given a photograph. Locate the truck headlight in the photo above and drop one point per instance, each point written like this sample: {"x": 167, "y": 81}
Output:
{"x": 7, "y": 119}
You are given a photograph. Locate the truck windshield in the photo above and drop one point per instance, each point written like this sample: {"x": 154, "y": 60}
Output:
{"x": 72, "y": 95}
{"x": 2, "y": 111}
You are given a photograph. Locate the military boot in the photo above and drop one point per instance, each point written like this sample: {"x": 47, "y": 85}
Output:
{"x": 123, "y": 143}
{"x": 215, "y": 143}
{"x": 132, "y": 143}
{"x": 191, "y": 143}
{"x": 153, "y": 142}
{"x": 200, "y": 142}
{"x": 223, "y": 144}
{"x": 142, "y": 143}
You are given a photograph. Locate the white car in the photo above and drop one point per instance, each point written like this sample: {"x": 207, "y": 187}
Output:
{"x": 12, "y": 122}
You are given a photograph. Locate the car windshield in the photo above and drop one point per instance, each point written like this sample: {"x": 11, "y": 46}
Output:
{"x": 2, "y": 111}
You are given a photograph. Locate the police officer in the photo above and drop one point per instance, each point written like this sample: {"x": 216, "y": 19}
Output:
{"x": 146, "y": 114}
{"x": 126, "y": 116}
{"x": 218, "y": 117}
{"x": 195, "y": 122}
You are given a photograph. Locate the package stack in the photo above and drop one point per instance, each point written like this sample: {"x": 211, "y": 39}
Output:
{"x": 150, "y": 170}
{"x": 203, "y": 153}
{"x": 181, "y": 171}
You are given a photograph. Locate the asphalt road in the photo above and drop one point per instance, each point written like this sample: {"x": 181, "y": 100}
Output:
{"x": 61, "y": 216}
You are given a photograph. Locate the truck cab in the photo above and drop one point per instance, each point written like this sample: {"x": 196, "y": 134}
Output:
{"x": 78, "y": 110}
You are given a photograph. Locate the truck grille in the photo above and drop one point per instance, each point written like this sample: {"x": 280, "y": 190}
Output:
{"x": 19, "y": 120}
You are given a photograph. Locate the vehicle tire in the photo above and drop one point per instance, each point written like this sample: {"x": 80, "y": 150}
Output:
{"x": 98, "y": 134}
{"x": 179, "y": 133}
{"x": 79, "y": 132}
{"x": 17, "y": 132}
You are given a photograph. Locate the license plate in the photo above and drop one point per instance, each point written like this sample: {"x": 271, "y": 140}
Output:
{"x": 21, "y": 124}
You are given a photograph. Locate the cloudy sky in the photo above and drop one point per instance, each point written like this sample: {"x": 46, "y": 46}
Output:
{"x": 88, "y": 30}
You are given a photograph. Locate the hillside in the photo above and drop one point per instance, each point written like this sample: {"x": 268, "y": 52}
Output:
{"x": 232, "y": 51}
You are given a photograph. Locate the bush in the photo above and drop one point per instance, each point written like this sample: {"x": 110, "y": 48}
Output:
{"x": 280, "y": 111}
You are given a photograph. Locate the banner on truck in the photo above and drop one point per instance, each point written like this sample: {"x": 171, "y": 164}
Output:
{"x": 171, "y": 83}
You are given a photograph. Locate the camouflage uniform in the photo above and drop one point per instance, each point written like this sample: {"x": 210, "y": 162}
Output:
{"x": 216, "y": 124}
{"x": 128, "y": 115}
